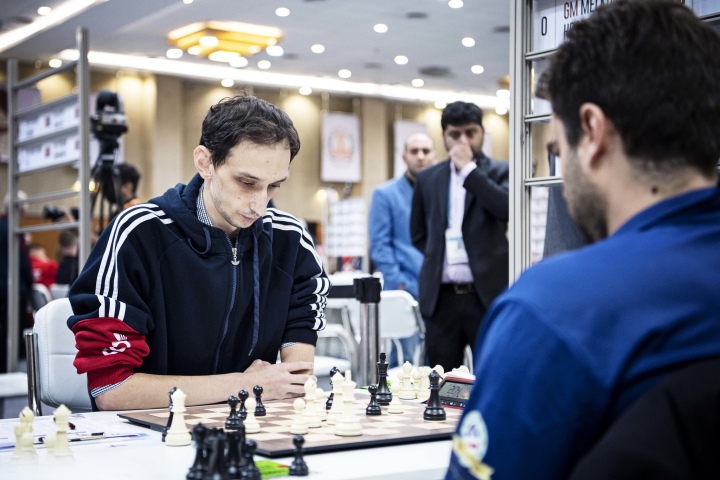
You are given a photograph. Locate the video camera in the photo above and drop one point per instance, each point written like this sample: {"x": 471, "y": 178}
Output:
{"x": 54, "y": 213}
{"x": 107, "y": 125}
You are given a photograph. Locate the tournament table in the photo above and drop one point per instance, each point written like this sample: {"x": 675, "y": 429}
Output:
{"x": 147, "y": 458}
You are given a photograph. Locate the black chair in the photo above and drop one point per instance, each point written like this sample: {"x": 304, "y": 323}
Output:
{"x": 671, "y": 433}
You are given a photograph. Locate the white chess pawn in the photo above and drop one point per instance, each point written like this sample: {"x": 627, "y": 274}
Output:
{"x": 178, "y": 434}
{"x": 337, "y": 405}
{"x": 310, "y": 413}
{"x": 440, "y": 370}
{"x": 251, "y": 422}
{"x": 299, "y": 425}
{"x": 406, "y": 392}
{"x": 424, "y": 388}
{"x": 461, "y": 369}
{"x": 62, "y": 447}
{"x": 320, "y": 404}
{"x": 396, "y": 405}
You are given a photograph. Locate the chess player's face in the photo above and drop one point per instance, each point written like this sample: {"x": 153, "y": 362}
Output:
{"x": 419, "y": 153}
{"x": 470, "y": 134}
{"x": 237, "y": 192}
{"x": 586, "y": 204}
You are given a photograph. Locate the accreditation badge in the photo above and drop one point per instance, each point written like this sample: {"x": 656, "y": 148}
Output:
{"x": 470, "y": 445}
{"x": 455, "y": 247}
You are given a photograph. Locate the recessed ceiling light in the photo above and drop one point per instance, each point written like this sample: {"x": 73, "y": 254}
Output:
{"x": 317, "y": 48}
{"x": 282, "y": 12}
{"x": 187, "y": 2}
{"x": 239, "y": 62}
{"x": 503, "y": 93}
{"x": 55, "y": 62}
{"x": 195, "y": 50}
{"x": 401, "y": 60}
{"x": 455, "y": 4}
{"x": 227, "y": 82}
{"x": 275, "y": 51}
{"x": 417, "y": 82}
{"x": 468, "y": 41}
{"x": 174, "y": 53}
{"x": 477, "y": 69}
{"x": 380, "y": 28}
{"x": 264, "y": 64}
{"x": 42, "y": 11}
{"x": 222, "y": 56}
{"x": 440, "y": 104}
{"x": 305, "y": 90}
{"x": 209, "y": 41}
{"x": 344, "y": 73}
{"x": 501, "y": 110}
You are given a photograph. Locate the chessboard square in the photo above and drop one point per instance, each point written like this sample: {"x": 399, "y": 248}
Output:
{"x": 161, "y": 414}
{"x": 225, "y": 410}
{"x": 281, "y": 422}
{"x": 278, "y": 429}
{"x": 210, "y": 415}
{"x": 261, "y": 437}
{"x": 280, "y": 406}
{"x": 378, "y": 431}
{"x": 289, "y": 417}
{"x": 434, "y": 426}
{"x": 318, "y": 437}
{"x": 388, "y": 424}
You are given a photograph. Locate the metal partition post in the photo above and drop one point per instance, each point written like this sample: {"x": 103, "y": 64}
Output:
{"x": 367, "y": 292}
{"x": 32, "y": 359}
{"x": 13, "y": 242}
{"x": 83, "y": 84}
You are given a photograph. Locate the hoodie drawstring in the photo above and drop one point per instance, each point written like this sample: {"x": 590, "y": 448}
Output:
{"x": 256, "y": 294}
{"x": 207, "y": 242}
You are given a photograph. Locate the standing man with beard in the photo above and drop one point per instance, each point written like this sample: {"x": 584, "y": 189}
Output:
{"x": 581, "y": 336}
{"x": 459, "y": 222}
{"x": 391, "y": 249}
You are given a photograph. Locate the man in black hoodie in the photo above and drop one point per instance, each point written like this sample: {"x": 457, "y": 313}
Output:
{"x": 200, "y": 288}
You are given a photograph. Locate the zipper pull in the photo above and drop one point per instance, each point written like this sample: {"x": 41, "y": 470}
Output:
{"x": 235, "y": 261}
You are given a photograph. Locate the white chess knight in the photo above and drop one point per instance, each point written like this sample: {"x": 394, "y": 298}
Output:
{"x": 251, "y": 422}
{"x": 178, "y": 434}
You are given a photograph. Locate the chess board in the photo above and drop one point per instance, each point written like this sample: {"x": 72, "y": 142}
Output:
{"x": 275, "y": 439}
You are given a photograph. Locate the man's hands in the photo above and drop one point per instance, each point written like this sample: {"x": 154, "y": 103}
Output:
{"x": 460, "y": 154}
{"x": 280, "y": 380}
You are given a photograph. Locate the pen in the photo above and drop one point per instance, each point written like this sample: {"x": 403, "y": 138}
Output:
{"x": 91, "y": 436}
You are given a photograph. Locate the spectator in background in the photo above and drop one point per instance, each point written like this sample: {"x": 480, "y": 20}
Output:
{"x": 67, "y": 270}
{"x": 26, "y": 280}
{"x": 459, "y": 221}
{"x": 129, "y": 178}
{"x": 44, "y": 269}
{"x": 391, "y": 248}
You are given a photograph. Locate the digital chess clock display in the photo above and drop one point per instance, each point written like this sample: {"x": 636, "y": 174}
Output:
{"x": 455, "y": 392}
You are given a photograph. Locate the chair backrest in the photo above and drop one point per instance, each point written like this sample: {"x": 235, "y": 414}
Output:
{"x": 399, "y": 315}
{"x": 56, "y": 379}
{"x": 59, "y": 290}
{"x": 40, "y": 296}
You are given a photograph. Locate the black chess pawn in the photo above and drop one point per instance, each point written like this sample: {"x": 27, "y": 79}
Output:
{"x": 373, "y": 407}
{"x": 384, "y": 395}
{"x": 200, "y": 465}
{"x": 329, "y": 402}
{"x": 233, "y": 420}
{"x": 250, "y": 471}
{"x": 298, "y": 467}
{"x": 434, "y": 409}
{"x": 217, "y": 469}
{"x": 243, "y": 394}
{"x": 259, "y": 408}
{"x": 232, "y": 458}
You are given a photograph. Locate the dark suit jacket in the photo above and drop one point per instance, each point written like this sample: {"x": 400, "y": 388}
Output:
{"x": 484, "y": 228}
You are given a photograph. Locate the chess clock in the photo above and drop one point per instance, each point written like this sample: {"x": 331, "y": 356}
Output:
{"x": 455, "y": 389}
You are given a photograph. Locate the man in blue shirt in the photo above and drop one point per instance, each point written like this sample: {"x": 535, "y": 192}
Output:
{"x": 635, "y": 92}
{"x": 391, "y": 248}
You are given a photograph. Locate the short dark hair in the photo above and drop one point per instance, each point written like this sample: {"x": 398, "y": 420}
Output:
{"x": 128, "y": 174}
{"x": 652, "y": 67}
{"x": 246, "y": 118}
{"x": 67, "y": 238}
{"x": 461, "y": 113}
